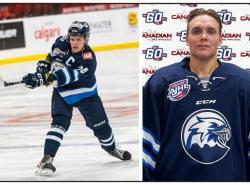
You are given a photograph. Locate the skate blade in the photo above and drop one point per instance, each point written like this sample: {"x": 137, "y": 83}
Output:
{"x": 44, "y": 172}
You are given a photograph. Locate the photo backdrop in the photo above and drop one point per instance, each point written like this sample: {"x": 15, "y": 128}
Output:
{"x": 163, "y": 33}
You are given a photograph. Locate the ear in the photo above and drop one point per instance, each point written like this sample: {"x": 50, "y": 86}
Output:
{"x": 220, "y": 40}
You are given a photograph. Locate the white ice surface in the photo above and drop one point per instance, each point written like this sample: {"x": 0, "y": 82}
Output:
{"x": 25, "y": 120}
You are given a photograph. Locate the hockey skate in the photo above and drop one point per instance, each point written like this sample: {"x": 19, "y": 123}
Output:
{"x": 45, "y": 167}
{"x": 121, "y": 154}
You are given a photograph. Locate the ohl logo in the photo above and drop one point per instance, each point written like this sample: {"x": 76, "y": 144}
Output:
{"x": 225, "y": 53}
{"x": 204, "y": 136}
{"x": 156, "y": 53}
{"x": 155, "y": 17}
{"x": 182, "y": 35}
{"x": 226, "y": 17}
{"x": 178, "y": 90}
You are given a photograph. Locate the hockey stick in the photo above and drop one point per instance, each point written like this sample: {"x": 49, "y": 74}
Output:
{"x": 12, "y": 83}
{"x": 2, "y": 82}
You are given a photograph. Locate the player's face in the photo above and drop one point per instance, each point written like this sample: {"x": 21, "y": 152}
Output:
{"x": 77, "y": 43}
{"x": 203, "y": 37}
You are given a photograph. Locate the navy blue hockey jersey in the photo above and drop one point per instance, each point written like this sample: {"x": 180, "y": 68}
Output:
{"x": 77, "y": 80}
{"x": 193, "y": 132}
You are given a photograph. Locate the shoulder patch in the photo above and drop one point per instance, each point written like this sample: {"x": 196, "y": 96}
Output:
{"x": 87, "y": 56}
{"x": 178, "y": 90}
{"x": 63, "y": 38}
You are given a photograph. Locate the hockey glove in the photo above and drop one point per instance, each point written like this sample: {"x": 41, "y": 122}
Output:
{"x": 43, "y": 66}
{"x": 37, "y": 79}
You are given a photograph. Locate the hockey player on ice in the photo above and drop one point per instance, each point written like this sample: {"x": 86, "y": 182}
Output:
{"x": 70, "y": 68}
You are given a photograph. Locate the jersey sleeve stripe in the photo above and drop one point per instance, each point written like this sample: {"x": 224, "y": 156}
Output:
{"x": 149, "y": 138}
{"x": 148, "y": 159}
{"x": 76, "y": 75}
{"x": 67, "y": 76}
{"x": 148, "y": 131}
{"x": 148, "y": 165}
{"x": 62, "y": 76}
{"x": 151, "y": 146}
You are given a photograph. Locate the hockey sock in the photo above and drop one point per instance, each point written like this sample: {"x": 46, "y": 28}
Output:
{"x": 105, "y": 137}
{"x": 53, "y": 139}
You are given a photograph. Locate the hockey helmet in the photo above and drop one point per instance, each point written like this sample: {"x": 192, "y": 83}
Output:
{"x": 79, "y": 29}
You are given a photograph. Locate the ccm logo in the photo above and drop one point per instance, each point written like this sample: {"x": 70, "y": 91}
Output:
{"x": 202, "y": 102}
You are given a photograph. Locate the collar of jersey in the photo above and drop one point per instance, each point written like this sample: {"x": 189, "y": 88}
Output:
{"x": 193, "y": 77}
{"x": 217, "y": 72}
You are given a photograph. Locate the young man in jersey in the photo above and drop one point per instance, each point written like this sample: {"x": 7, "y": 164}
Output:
{"x": 196, "y": 117}
{"x": 70, "y": 67}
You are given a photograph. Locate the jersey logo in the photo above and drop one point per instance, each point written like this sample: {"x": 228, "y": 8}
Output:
{"x": 178, "y": 90}
{"x": 204, "y": 136}
{"x": 87, "y": 56}
{"x": 58, "y": 52}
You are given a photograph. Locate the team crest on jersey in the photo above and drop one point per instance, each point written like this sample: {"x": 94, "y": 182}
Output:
{"x": 178, "y": 90}
{"x": 204, "y": 136}
{"x": 87, "y": 56}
